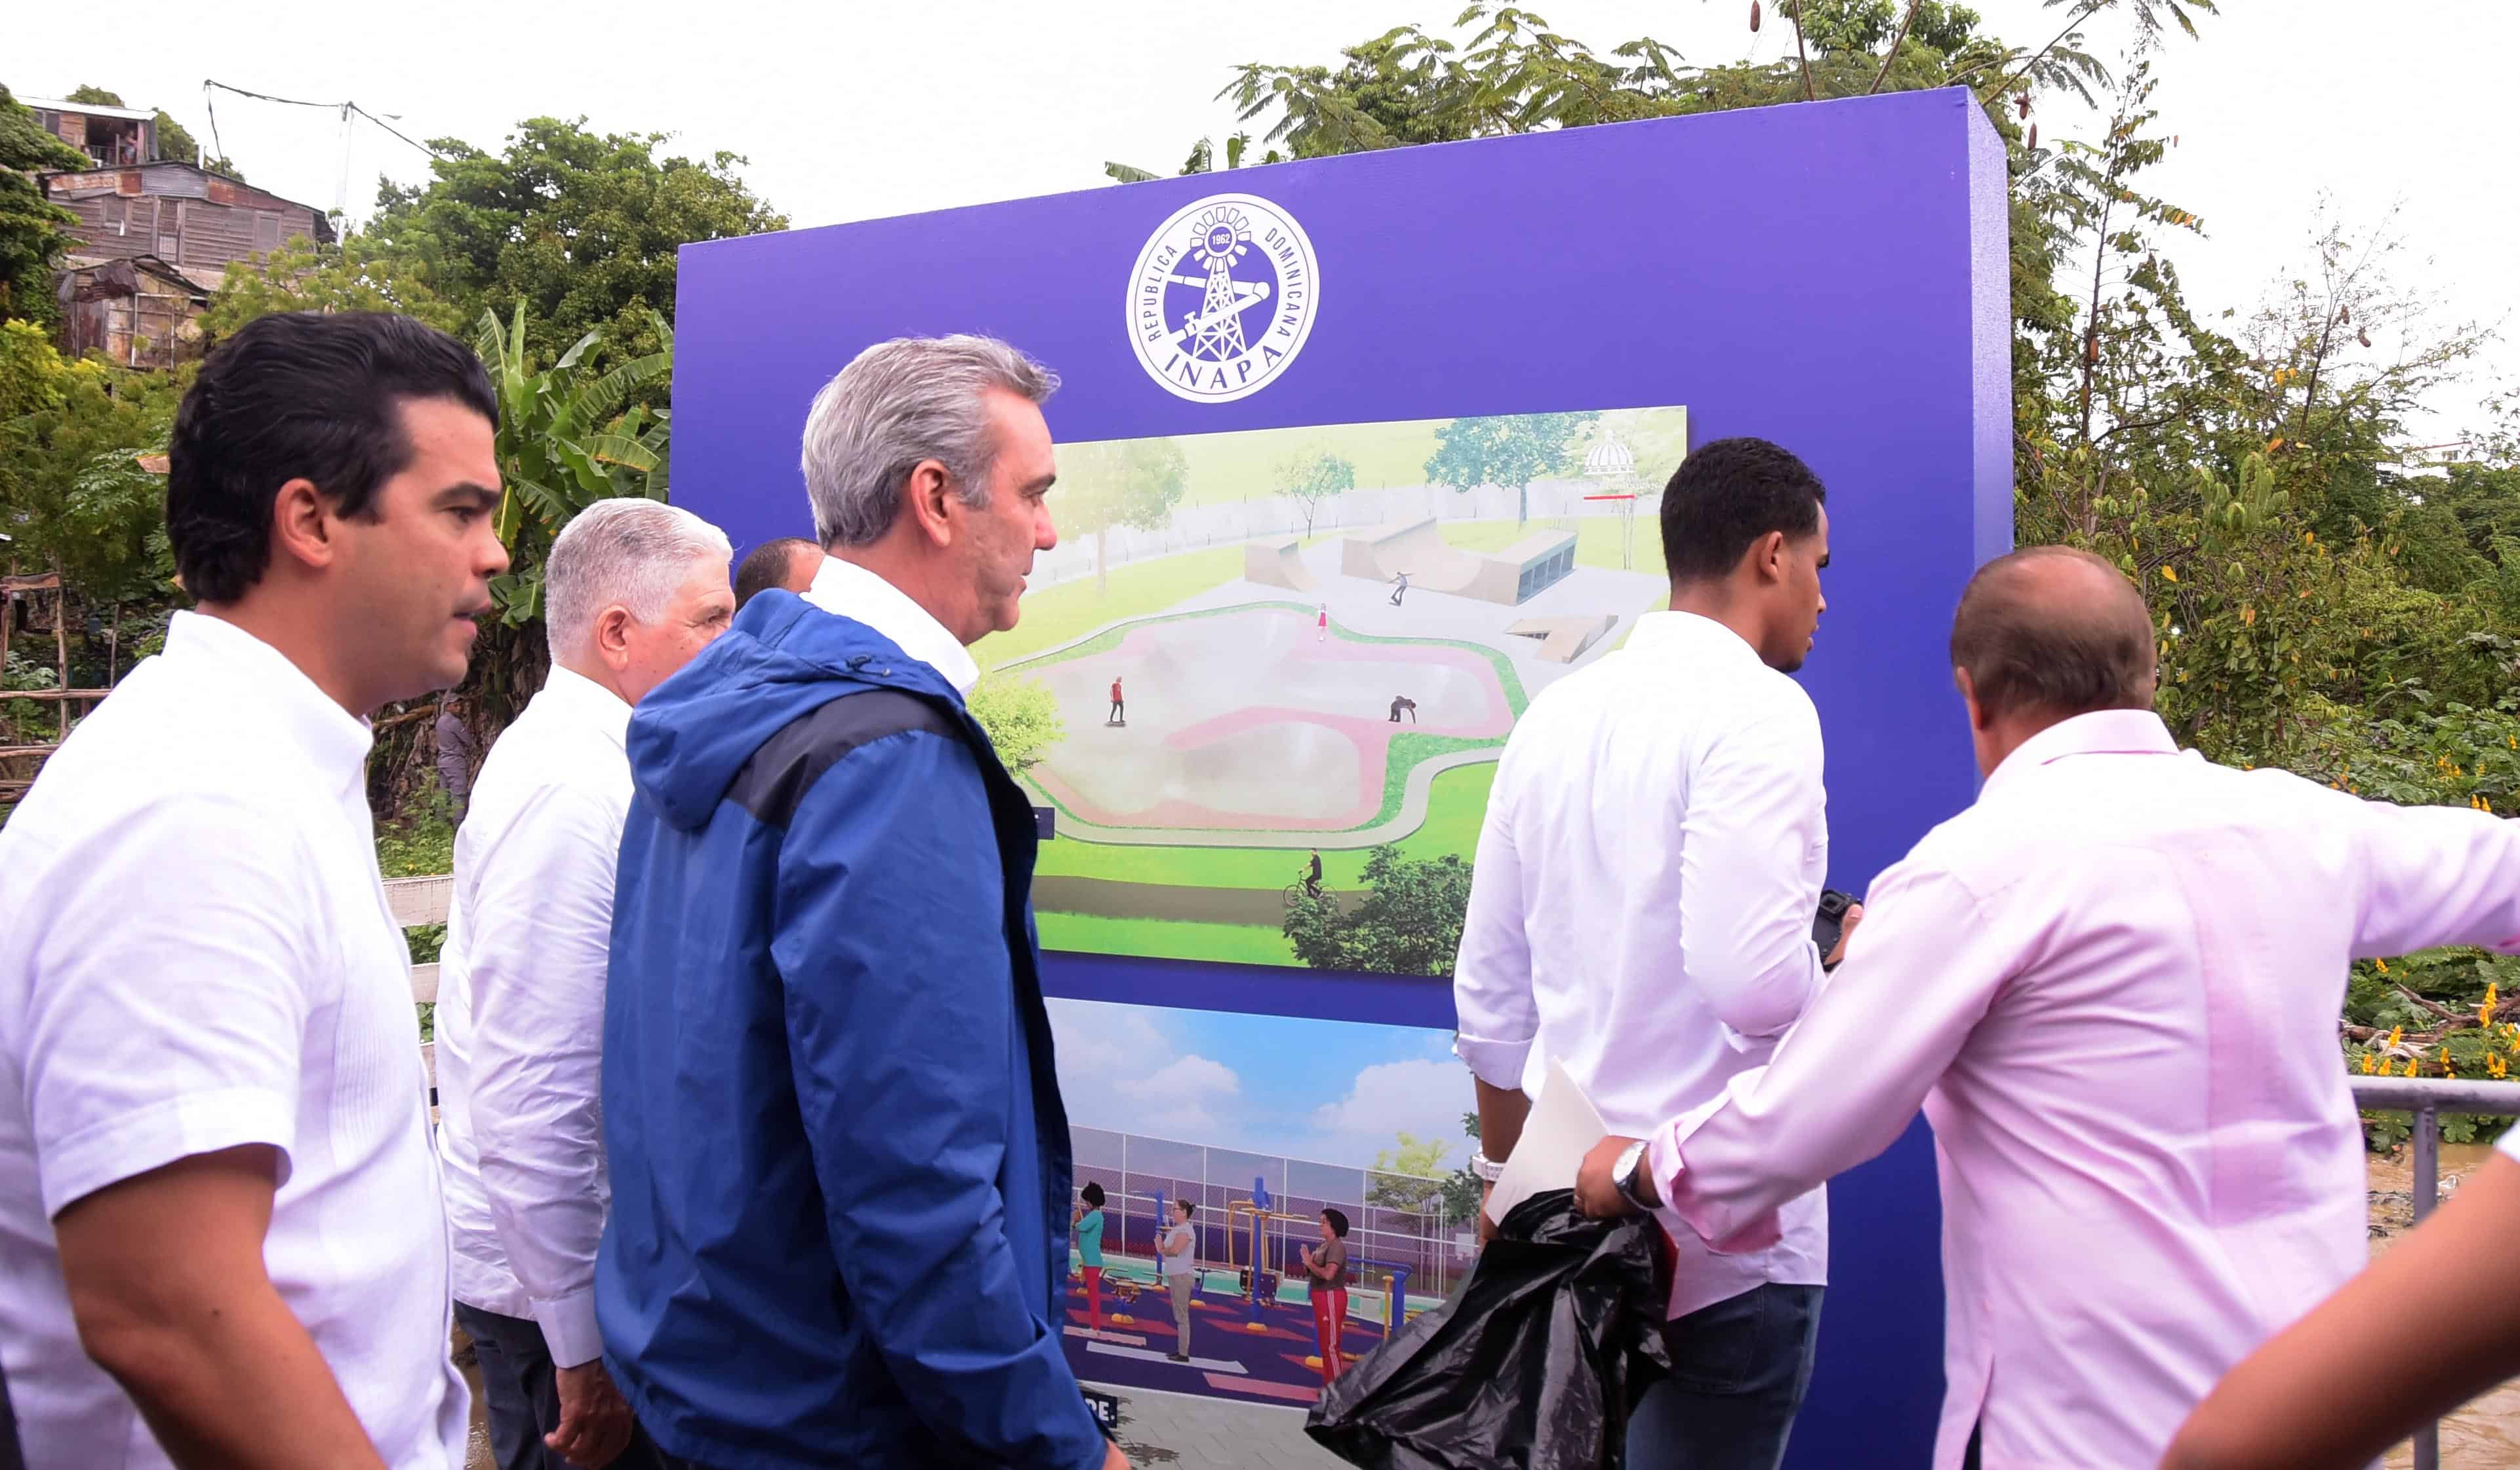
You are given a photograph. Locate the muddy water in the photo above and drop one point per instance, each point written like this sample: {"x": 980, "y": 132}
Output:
{"x": 2486, "y": 1434}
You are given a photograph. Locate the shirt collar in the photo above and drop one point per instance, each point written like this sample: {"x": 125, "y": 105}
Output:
{"x": 851, "y": 590}
{"x": 1665, "y": 633}
{"x": 2105, "y": 732}
{"x": 586, "y": 702}
{"x": 337, "y": 740}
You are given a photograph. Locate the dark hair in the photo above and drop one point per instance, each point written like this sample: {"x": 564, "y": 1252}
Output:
{"x": 1729, "y": 494}
{"x": 298, "y": 395}
{"x": 1187, "y": 1207}
{"x": 2054, "y": 628}
{"x": 765, "y": 566}
{"x": 1338, "y": 1221}
{"x": 1093, "y": 1193}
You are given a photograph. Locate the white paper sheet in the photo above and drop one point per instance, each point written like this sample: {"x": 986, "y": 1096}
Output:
{"x": 1562, "y": 1129}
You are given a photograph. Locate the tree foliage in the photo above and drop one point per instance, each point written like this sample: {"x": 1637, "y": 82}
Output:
{"x": 34, "y": 231}
{"x": 1121, "y": 482}
{"x": 1508, "y": 451}
{"x": 356, "y": 275}
{"x": 72, "y": 492}
{"x": 579, "y": 228}
{"x": 1020, "y": 716}
{"x": 1409, "y": 1176}
{"x": 1408, "y": 923}
{"x": 568, "y": 436}
{"x": 1313, "y": 474}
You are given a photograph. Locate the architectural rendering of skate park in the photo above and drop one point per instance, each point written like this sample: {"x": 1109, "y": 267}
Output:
{"x": 1357, "y": 458}
{"x": 1331, "y": 672}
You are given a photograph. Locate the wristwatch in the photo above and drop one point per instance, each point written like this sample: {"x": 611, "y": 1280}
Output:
{"x": 1485, "y": 1168}
{"x": 1623, "y": 1173}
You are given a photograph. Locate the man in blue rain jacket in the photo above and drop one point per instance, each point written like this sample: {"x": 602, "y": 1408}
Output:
{"x": 839, "y": 1160}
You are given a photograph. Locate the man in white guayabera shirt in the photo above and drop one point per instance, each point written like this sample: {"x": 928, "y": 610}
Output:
{"x": 1643, "y": 906}
{"x": 632, "y": 590}
{"x": 221, "y": 1236}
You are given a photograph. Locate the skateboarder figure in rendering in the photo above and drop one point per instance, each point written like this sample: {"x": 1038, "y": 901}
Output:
{"x": 1119, "y": 706}
{"x": 1399, "y": 588}
{"x": 1400, "y": 703}
{"x": 1321, "y": 626}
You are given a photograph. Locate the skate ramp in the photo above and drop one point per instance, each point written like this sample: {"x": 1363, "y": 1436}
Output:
{"x": 1511, "y": 577}
{"x": 1278, "y": 563}
{"x": 1383, "y": 553}
{"x": 1564, "y": 640}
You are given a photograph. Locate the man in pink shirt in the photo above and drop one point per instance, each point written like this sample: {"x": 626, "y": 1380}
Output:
{"x": 2113, "y": 985}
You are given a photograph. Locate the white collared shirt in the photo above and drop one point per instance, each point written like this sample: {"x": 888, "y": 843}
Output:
{"x": 2112, "y": 984}
{"x": 195, "y": 954}
{"x": 1643, "y": 902}
{"x": 520, "y": 1013}
{"x": 853, "y": 592}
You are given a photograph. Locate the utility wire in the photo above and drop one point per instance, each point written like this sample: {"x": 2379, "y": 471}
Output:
{"x": 335, "y": 106}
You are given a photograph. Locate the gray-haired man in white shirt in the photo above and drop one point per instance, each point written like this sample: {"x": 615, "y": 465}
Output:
{"x": 1643, "y": 906}
{"x": 633, "y": 589}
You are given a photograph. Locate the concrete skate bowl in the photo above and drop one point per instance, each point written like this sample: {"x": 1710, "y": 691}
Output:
{"x": 1278, "y": 563}
{"x": 1511, "y": 576}
{"x": 1246, "y": 719}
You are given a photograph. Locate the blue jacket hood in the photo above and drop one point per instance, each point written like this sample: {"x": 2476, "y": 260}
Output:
{"x": 782, "y": 658}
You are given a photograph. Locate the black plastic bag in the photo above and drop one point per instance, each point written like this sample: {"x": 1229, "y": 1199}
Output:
{"x": 1535, "y": 1365}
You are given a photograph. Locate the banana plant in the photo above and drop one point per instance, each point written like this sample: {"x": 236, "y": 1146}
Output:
{"x": 567, "y": 438}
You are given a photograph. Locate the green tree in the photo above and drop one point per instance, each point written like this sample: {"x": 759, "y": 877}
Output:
{"x": 1021, "y": 717}
{"x": 1313, "y": 474}
{"x": 1120, "y": 483}
{"x": 568, "y": 436}
{"x": 1408, "y": 923}
{"x": 357, "y": 275}
{"x": 73, "y": 493}
{"x": 1508, "y": 451}
{"x": 1408, "y": 1176}
{"x": 34, "y": 231}
{"x": 579, "y": 228}
{"x": 174, "y": 139}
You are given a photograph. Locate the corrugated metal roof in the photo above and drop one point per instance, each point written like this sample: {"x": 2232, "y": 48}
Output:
{"x": 89, "y": 109}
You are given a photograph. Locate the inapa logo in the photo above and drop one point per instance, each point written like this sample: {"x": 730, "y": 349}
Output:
{"x": 1222, "y": 297}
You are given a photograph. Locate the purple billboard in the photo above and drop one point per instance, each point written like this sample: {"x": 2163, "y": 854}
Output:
{"x": 1357, "y": 455}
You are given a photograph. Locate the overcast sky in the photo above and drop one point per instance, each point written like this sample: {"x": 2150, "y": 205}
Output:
{"x": 856, "y": 110}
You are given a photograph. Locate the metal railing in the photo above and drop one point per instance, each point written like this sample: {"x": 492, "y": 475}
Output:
{"x": 2428, "y": 1098}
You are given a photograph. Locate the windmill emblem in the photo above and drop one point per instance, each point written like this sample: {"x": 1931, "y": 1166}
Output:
{"x": 1193, "y": 293}
{"x": 1215, "y": 330}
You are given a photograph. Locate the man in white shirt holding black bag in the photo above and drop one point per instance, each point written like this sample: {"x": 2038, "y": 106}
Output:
{"x": 1642, "y": 908}
{"x": 632, "y": 590}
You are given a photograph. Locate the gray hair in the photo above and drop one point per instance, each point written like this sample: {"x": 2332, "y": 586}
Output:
{"x": 910, "y": 399}
{"x": 628, "y": 550}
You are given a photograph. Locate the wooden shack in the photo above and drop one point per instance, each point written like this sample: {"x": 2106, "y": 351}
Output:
{"x": 154, "y": 241}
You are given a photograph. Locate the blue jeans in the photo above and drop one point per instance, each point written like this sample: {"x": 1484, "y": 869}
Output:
{"x": 521, "y": 1389}
{"x": 1739, "y": 1369}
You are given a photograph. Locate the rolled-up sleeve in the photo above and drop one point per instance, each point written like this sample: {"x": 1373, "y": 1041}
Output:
{"x": 1920, "y": 974}
{"x": 167, "y": 1019}
{"x": 541, "y": 928}
{"x": 1756, "y": 816}
{"x": 1497, "y": 1017}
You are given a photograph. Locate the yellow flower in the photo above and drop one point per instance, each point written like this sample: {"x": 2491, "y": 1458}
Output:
{"x": 2169, "y": 574}
{"x": 2411, "y": 1066}
{"x": 2395, "y": 1032}
{"x": 2384, "y": 970}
